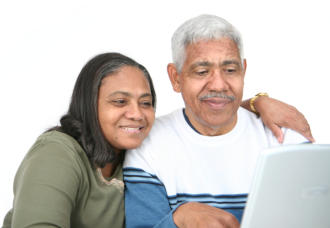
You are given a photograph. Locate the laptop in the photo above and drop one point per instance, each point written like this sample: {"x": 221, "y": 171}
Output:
{"x": 291, "y": 188}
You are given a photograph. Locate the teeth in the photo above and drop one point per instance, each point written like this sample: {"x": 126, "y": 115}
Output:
{"x": 132, "y": 129}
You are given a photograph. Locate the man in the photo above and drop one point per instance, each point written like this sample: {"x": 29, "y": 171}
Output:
{"x": 196, "y": 166}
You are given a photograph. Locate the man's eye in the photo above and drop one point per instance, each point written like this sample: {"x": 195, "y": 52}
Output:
{"x": 231, "y": 70}
{"x": 202, "y": 72}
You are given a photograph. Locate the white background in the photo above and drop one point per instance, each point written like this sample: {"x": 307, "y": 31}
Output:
{"x": 44, "y": 44}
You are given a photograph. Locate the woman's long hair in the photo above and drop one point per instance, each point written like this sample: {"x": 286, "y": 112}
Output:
{"x": 81, "y": 121}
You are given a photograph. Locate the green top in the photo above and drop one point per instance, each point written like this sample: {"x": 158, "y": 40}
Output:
{"x": 55, "y": 186}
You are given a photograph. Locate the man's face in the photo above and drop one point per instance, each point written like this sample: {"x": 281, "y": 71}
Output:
{"x": 211, "y": 83}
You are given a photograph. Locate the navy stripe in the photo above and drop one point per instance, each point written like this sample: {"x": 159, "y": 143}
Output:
{"x": 229, "y": 202}
{"x": 188, "y": 121}
{"x": 243, "y": 195}
{"x": 209, "y": 202}
{"x": 209, "y": 199}
{"x": 130, "y": 175}
{"x": 140, "y": 172}
{"x": 232, "y": 201}
{"x": 139, "y": 176}
{"x": 132, "y": 169}
{"x": 217, "y": 205}
{"x": 143, "y": 182}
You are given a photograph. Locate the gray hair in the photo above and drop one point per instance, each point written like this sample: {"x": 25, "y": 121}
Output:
{"x": 203, "y": 27}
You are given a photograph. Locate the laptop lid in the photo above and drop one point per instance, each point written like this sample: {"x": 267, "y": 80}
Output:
{"x": 291, "y": 188}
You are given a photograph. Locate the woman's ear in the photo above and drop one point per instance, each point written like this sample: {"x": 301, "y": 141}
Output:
{"x": 174, "y": 77}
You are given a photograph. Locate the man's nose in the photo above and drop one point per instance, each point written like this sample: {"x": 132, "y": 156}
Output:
{"x": 218, "y": 81}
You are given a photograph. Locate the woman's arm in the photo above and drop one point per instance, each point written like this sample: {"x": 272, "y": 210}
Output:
{"x": 276, "y": 114}
{"x": 45, "y": 188}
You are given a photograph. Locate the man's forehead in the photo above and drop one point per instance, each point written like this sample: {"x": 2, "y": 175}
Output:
{"x": 209, "y": 51}
{"x": 222, "y": 43}
{"x": 223, "y": 62}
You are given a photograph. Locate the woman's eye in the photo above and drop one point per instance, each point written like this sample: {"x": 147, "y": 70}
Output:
{"x": 119, "y": 102}
{"x": 146, "y": 104}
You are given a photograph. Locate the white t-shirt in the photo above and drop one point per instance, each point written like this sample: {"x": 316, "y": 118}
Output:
{"x": 216, "y": 170}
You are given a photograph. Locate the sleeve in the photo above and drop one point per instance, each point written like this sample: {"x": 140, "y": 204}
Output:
{"x": 146, "y": 202}
{"x": 45, "y": 187}
{"x": 293, "y": 137}
{"x": 290, "y": 137}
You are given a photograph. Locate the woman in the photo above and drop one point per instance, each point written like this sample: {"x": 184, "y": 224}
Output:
{"x": 72, "y": 175}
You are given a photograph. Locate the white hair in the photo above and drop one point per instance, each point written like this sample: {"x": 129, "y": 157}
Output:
{"x": 203, "y": 27}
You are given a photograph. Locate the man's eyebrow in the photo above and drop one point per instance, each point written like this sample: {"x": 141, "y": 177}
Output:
{"x": 200, "y": 63}
{"x": 229, "y": 62}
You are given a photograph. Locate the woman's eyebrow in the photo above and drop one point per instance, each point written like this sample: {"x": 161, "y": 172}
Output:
{"x": 146, "y": 95}
{"x": 127, "y": 94}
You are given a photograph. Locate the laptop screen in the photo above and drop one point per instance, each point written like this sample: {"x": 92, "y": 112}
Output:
{"x": 291, "y": 188}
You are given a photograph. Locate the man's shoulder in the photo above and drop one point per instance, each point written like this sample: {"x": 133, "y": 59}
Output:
{"x": 249, "y": 121}
{"x": 168, "y": 118}
{"x": 165, "y": 124}
{"x": 257, "y": 126}
{"x": 246, "y": 115}
{"x": 159, "y": 141}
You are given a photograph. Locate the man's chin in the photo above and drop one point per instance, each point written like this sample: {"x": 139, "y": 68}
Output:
{"x": 218, "y": 125}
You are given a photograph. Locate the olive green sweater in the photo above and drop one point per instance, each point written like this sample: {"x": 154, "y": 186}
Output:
{"x": 55, "y": 186}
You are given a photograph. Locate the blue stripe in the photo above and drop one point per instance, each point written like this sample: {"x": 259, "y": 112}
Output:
{"x": 243, "y": 195}
{"x": 133, "y": 175}
{"x": 210, "y": 200}
{"x": 135, "y": 171}
{"x": 231, "y": 201}
{"x": 142, "y": 180}
{"x": 228, "y": 205}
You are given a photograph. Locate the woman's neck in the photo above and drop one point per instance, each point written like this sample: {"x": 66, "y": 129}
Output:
{"x": 109, "y": 168}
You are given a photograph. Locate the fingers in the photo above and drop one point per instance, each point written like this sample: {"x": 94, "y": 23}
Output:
{"x": 199, "y": 215}
{"x": 306, "y": 132}
{"x": 297, "y": 122}
{"x": 277, "y": 132}
{"x": 276, "y": 114}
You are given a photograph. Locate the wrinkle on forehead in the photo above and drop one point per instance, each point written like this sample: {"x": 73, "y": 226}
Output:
{"x": 203, "y": 51}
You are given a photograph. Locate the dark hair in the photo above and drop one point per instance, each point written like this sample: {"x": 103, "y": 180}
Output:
{"x": 81, "y": 121}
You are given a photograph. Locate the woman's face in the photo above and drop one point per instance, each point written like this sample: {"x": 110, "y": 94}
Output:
{"x": 125, "y": 109}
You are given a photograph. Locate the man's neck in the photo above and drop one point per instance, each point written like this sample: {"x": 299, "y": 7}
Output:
{"x": 203, "y": 128}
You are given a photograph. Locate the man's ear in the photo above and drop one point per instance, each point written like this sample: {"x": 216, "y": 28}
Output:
{"x": 174, "y": 77}
{"x": 244, "y": 65}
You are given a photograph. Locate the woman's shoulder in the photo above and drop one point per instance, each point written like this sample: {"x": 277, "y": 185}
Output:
{"x": 56, "y": 136}
{"x": 56, "y": 145}
{"x": 56, "y": 155}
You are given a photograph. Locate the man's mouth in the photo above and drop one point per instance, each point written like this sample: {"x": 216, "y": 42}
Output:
{"x": 216, "y": 103}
